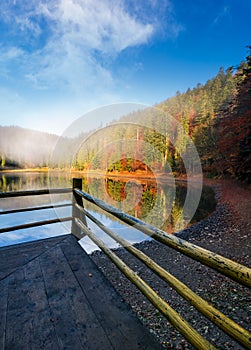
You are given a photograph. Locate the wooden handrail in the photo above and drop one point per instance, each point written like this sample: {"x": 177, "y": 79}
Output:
{"x": 34, "y": 224}
{"x": 35, "y": 192}
{"x": 21, "y": 210}
{"x": 175, "y": 319}
{"x": 227, "y": 267}
{"x": 231, "y": 328}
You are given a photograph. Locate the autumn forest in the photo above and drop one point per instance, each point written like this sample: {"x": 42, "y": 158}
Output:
{"x": 216, "y": 116}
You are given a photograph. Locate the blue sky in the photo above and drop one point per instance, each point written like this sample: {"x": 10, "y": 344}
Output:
{"x": 62, "y": 58}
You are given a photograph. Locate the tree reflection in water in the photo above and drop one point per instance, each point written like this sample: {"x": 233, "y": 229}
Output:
{"x": 155, "y": 202}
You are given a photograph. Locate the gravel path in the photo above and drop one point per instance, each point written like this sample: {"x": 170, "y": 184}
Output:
{"x": 227, "y": 232}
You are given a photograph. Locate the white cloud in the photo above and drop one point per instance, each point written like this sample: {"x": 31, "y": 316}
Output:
{"x": 80, "y": 39}
{"x": 100, "y": 25}
{"x": 223, "y": 13}
{"x": 81, "y": 36}
{"x": 86, "y": 33}
{"x": 160, "y": 13}
{"x": 66, "y": 51}
{"x": 10, "y": 53}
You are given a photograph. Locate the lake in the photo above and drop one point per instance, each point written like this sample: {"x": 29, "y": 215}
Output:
{"x": 159, "y": 202}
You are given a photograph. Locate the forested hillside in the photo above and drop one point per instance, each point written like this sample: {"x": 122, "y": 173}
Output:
{"x": 216, "y": 116}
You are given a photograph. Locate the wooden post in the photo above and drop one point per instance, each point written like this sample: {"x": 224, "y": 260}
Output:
{"x": 76, "y": 213}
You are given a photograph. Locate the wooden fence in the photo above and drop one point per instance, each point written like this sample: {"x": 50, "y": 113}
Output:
{"x": 227, "y": 267}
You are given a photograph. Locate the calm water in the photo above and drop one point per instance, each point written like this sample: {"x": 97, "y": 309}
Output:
{"x": 158, "y": 203}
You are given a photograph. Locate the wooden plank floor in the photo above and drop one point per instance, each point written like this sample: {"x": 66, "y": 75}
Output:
{"x": 52, "y": 296}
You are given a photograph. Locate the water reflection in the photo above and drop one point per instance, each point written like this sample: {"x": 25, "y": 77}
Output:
{"x": 143, "y": 193}
{"x": 10, "y": 182}
{"x": 159, "y": 203}
{"x": 30, "y": 181}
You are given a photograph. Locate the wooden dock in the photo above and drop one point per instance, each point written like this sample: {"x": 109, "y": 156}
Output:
{"x": 53, "y": 296}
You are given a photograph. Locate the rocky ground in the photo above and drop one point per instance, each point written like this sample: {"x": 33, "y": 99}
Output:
{"x": 226, "y": 232}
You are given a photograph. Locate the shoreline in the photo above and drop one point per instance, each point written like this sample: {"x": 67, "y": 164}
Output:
{"x": 127, "y": 176}
{"x": 226, "y": 232}
{"x": 28, "y": 170}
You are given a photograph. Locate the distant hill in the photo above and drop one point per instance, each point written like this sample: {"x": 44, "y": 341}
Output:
{"x": 22, "y": 148}
{"x": 25, "y": 148}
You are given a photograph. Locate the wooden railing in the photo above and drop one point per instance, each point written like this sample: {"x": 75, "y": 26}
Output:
{"x": 30, "y": 209}
{"x": 227, "y": 267}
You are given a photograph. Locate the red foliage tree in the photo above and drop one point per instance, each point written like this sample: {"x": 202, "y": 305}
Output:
{"x": 234, "y": 128}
